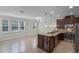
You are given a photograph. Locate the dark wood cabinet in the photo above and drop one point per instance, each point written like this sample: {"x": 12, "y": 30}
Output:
{"x": 56, "y": 41}
{"x": 58, "y": 38}
{"x": 61, "y": 36}
{"x": 60, "y": 23}
{"x": 40, "y": 41}
{"x": 77, "y": 20}
{"x": 45, "y": 43}
{"x": 69, "y": 19}
{"x": 48, "y": 43}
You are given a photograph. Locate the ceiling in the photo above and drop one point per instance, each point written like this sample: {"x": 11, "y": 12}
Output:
{"x": 38, "y": 11}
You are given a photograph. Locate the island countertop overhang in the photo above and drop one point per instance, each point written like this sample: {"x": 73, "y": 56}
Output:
{"x": 52, "y": 34}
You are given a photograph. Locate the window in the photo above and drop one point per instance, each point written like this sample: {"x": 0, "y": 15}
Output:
{"x": 22, "y": 25}
{"x": 14, "y": 25}
{"x": 4, "y": 25}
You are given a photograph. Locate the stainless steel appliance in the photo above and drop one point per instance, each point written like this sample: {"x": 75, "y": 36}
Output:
{"x": 69, "y": 33}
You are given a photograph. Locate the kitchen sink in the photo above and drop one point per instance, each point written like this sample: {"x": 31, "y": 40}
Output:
{"x": 52, "y": 32}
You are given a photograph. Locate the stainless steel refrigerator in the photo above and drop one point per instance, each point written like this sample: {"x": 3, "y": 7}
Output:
{"x": 76, "y": 40}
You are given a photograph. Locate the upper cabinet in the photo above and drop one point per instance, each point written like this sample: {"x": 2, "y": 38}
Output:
{"x": 69, "y": 19}
{"x": 60, "y": 23}
{"x": 77, "y": 20}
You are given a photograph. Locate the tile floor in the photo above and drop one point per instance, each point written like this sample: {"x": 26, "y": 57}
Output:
{"x": 29, "y": 45}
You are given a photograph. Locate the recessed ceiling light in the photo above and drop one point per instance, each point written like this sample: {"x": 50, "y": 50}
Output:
{"x": 71, "y": 13}
{"x": 45, "y": 25}
{"x": 70, "y": 7}
{"x": 51, "y": 11}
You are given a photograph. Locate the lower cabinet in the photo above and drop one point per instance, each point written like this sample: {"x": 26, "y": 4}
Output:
{"x": 61, "y": 36}
{"x": 40, "y": 41}
{"x": 45, "y": 43}
{"x": 48, "y": 43}
{"x": 56, "y": 41}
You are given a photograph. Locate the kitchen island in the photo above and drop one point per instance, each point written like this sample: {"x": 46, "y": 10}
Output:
{"x": 48, "y": 41}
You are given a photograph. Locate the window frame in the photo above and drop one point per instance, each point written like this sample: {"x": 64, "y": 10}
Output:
{"x": 18, "y": 25}
{"x": 2, "y": 27}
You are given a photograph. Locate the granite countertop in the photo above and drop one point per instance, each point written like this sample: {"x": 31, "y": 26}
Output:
{"x": 52, "y": 33}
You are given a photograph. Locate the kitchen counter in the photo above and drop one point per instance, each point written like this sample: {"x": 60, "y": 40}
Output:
{"x": 48, "y": 41}
{"x": 53, "y": 33}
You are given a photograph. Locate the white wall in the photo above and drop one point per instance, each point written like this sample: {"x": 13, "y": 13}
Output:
{"x": 29, "y": 31}
{"x": 43, "y": 29}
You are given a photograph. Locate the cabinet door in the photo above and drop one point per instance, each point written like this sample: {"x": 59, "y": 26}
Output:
{"x": 60, "y": 23}
{"x": 56, "y": 41}
{"x": 52, "y": 44}
{"x": 77, "y": 20}
{"x": 61, "y": 36}
{"x": 40, "y": 41}
{"x": 46, "y": 43}
{"x": 69, "y": 19}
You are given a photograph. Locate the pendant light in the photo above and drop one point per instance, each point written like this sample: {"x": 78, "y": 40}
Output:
{"x": 51, "y": 12}
{"x": 50, "y": 20}
{"x": 46, "y": 20}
